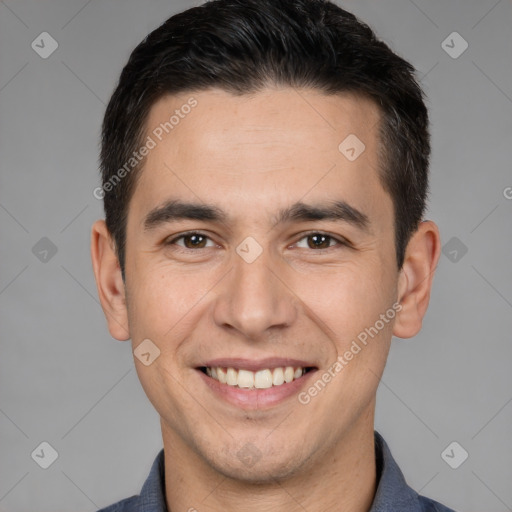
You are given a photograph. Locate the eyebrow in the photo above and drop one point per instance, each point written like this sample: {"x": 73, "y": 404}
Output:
{"x": 174, "y": 210}
{"x": 336, "y": 210}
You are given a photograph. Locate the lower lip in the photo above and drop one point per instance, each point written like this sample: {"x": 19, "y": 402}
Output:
{"x": 256, "y": 398}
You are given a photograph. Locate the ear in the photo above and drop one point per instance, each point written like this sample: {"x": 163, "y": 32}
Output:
{"x": 109, "y": 281}
{"x": 415, "y": 279}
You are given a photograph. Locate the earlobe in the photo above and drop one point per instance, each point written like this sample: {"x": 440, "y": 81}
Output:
{"x": 416, "y": 277}
{"x": 109, "y": 281}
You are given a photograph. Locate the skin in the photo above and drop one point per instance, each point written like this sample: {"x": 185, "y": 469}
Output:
{"x": 252, "y": 156}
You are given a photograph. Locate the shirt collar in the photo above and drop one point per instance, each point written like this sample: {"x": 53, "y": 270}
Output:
{"x": 152, "y": 494}
{"x": 392, "y": 495}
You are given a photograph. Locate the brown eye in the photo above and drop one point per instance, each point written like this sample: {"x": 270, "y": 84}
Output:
{"x": 318, "y": 241}
{"x": 191, "y": 241}
{"x": 194, "y": 241}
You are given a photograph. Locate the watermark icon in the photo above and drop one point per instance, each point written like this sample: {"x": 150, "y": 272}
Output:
{"x": 44, "y": 250}
{"x": 44, "y": 455}
{"x": 454, "y": 455}
{"x": 454, "y": 249}
{"x": 507, "y": 192}
{"x": 44, "y": 45}
{"x": 355, "y": 347}
{"x": 150, "y": 143}
{"x": 351, "y": 147}
{"x": 454, "y": 45}
{"x": 249, "y": 249}
{"x": 249, "y": 454}
{"x": 146, "y": 352}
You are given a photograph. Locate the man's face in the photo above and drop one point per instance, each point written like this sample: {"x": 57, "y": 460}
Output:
{"x": 259, "y": 283}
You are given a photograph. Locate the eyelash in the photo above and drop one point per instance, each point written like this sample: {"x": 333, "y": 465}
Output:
{"x": 339, "y": 242}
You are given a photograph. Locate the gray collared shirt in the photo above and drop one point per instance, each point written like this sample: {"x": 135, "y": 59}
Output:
{"x": 393, "y": 494}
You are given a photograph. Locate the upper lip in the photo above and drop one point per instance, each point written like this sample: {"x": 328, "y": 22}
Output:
{"x": 256, "y": 364}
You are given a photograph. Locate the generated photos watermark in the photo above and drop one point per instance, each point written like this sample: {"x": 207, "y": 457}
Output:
{"x": 354, "y": 349}
{"x": 157, "y": 135}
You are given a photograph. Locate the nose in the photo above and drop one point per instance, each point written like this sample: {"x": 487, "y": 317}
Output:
{"x": 255, "y": 298}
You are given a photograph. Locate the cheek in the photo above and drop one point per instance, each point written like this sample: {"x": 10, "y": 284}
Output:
{"x": 165, "y": 301}
{"x": 347, "y": 298}
{"x": 359, "y": 334}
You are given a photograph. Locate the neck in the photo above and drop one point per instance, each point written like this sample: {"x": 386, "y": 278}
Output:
{"x": 342, "y": 479}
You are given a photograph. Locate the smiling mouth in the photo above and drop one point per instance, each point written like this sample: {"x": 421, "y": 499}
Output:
{"x": 261, "y": 379}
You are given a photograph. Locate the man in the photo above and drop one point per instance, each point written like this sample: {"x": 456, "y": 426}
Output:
{"x": 265, "y": 169}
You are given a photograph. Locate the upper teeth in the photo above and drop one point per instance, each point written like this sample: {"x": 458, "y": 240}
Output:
{"x": 261, "y": 379}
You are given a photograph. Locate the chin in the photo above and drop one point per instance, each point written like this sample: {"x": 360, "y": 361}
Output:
{"x": 259, "y": 470}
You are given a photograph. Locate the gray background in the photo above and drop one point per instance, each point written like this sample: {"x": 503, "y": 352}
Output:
{"x": 65, "y": 381}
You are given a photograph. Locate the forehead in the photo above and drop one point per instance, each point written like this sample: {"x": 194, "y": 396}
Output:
{"x": 274, "y": 146}
{"x": 279, "y": 120}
